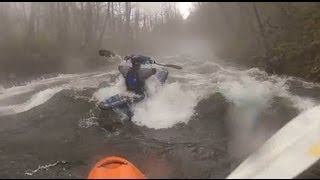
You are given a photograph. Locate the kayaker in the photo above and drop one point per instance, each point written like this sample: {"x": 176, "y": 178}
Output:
{"x": 135, "y": 77}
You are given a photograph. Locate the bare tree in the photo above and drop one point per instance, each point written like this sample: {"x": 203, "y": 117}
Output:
{"x": 30, "y": 37}
{"x": 107, "y": 17}
{"x": 88, "y": 24}
{"x": 128, "y": 15}
{"x": 261, "y": 28}
{"x": 136, "y": 22}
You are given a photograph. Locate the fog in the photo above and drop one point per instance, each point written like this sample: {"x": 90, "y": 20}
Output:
{"x": 48, "y": 38}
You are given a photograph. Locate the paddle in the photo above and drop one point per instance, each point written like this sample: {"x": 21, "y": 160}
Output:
{"x": 108, "y": 53}
{"x": 169, "y": 65}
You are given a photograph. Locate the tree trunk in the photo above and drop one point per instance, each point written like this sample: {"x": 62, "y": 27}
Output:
{"x": 247, "y": 23}
{"x": 136, "y": 22}
{"x": 37, "y": 30}
{"x": 88, "y": 25}
{"x": 155, "y": 22}
{"x": 104, "y": 26}
{"x": 262, "y": 32}
{"x": 65, "y": 23}
{"x": 30, "y": 37}
{"x": 59, "y": 36}
{"x": 4, "y": 18}
{"x": 128, "y": 40}
{"x": 76, "y": 16}
{"x": 83, "y": 17}
{"x": 150, "y": 23}
{"x": 120, "y": 18}
{"x": 227, "y": 19}
{"x": 24, "y": 11}
{"x": 112, "y": 24}
{"x": 128, "y": 15}
{"x": 97, "y": 19}
{"x": 144, "y": 22}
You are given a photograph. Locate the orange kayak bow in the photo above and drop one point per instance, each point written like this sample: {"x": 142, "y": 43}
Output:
{"x": 115, "y": 168}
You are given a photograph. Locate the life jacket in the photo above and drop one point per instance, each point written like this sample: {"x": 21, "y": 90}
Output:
{"x": 133, "y": 82}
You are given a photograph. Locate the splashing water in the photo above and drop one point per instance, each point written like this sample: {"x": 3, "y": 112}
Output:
{"x": 43, "y": 90}
{"x": 169, "y": 106}
{"x": 166, "y": 105}
{"x": 250, "y": 94}
{"x": 113, "y": 89}
{"x": 88, "y": 122}
{"x": 30, "y": 172}
{"x": 35, "y": 101}
{"x": 250, "y": 90}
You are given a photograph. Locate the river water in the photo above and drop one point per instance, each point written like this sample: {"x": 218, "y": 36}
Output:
{"x": 202, "y": 123}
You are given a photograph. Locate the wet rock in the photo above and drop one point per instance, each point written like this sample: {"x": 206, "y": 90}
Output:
{"x": 109, "y": 120}
{"x": 213, "y": 106}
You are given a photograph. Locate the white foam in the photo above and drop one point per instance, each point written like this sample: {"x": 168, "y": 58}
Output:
{"x": 88, "y": 122}
{"x": 251, "y": 90}
{"x": 166, "y": 105}
{"x": 30, "y": 172}
{"x": 244, "y": 88}
{"x": 82, "y": 79}
{"x": 28, "y": 87}
{"x": 251, "y": 98}
{"x": 298, "y": 102}
{"x": 113, "y": 89}
{"x": 36, "y": 100}
{"x": 89, "y": 81}
{"x": 170, "y": 105}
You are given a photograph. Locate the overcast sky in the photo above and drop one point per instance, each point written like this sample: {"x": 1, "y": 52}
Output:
{"x": 153, "y": 6}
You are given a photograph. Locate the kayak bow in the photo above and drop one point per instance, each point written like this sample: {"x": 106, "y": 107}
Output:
{"x": 115, "y": 168}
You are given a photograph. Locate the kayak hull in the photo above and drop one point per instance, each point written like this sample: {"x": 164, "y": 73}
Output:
{"x": 113, "y": 101}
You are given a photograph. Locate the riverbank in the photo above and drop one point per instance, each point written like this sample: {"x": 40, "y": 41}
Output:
{"x": 304, "y": 65}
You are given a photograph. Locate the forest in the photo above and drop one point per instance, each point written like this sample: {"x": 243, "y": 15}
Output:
{"x": 38, "y": 38}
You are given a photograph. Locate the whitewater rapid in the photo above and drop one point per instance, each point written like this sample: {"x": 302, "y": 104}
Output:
{"x": 173, "y": 102}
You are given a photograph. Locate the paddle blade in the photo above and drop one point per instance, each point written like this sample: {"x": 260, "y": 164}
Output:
{"x": 170, "y": 65}
{"x": 173, "y": 66}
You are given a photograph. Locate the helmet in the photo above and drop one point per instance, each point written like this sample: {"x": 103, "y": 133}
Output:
{"x": 138, "y": 59}
{"x": 135, "y": 62}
